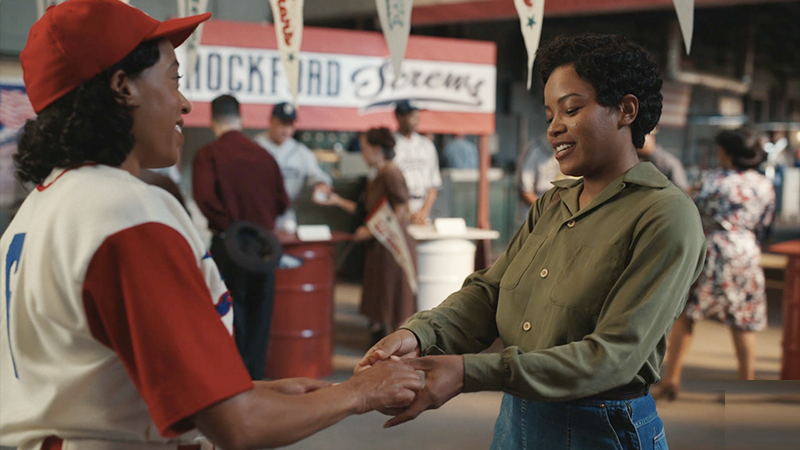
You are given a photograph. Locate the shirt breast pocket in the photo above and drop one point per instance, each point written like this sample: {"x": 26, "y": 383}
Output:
{"x": 522, "y": 260}
{"x": 586, "y": 279}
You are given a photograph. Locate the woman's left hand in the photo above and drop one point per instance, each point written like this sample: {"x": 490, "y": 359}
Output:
{"x": 362, "y": 234}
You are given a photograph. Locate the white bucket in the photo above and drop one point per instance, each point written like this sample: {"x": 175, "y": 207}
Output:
{"x": 442, "y": 266}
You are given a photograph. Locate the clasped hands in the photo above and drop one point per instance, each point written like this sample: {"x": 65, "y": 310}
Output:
{"x": 443, "y": 380}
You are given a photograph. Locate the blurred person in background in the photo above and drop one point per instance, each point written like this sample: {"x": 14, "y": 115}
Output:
{"x": 664, "y": 161}
{"x": 387, "y": 299}
{"x": 235, "y": 180}
{"x": 417, "y": 159}
{"x": 298, "y": 164}
{"x": 736, "y": 204}
{"x": 587, "y": 289}
{"x": 461, "y": 153}
{"x": 536, "y": 171}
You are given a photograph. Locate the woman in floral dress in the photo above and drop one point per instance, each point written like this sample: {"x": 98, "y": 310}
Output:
{"x": 736, "y": 204}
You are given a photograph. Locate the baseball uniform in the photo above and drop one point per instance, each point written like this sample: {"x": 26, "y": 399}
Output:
{"x": 115, "y": 322}
{"x": 417, "y": 159}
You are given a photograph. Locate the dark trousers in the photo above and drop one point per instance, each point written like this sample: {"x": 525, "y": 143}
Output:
{"x": 252, "y": 308}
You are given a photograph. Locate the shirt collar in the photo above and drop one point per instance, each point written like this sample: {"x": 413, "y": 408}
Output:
{"x": 646, "y": 174}
{"x": 643, "y": 174}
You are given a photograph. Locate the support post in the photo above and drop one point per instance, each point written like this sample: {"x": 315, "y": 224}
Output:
{"x": 483, "y": 255}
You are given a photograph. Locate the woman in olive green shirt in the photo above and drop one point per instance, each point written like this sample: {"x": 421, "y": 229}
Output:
{"x": 586, "y": 291}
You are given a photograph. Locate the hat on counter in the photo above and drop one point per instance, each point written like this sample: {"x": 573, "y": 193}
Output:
{"x": 252, "y": 248}
{"x": 284, "y": 112}
{"x": 403, "y": 107}
{"x": 77, "y": 40}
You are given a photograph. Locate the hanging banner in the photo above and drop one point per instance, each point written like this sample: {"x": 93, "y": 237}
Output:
{"x": 344, "y": 80}
{"x": 395, "y": 17}
{"x": 531, "y": 14}
{"x": 685, "y": 10}
{"x": 288, "y": 19}
{"x": 191, "y": 8}
{"x": 385, "y": 227}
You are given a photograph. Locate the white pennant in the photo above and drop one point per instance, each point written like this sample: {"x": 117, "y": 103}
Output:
{"x": 191, "y": 8}
{"x": 531, "y": 14}
{"x": 288, "y": 19}
{"x": 685, "y": 10}
{"x": 395, "y": 17}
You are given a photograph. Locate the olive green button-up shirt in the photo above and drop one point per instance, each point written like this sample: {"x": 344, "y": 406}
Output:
{"x": 582, "y": 299}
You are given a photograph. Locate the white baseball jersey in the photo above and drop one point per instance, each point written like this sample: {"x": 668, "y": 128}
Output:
{"x": 298, "y": 166}
{"x": 417, "y": 159}
{"x": 116, "y": 325}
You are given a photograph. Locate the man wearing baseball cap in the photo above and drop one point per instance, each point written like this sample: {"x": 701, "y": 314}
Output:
{"x": 416, "y": 157}
{"x": 298, "y": 165}
{"x": 115, "y": 322}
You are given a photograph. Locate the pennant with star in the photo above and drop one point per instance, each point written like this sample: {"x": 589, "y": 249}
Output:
{"x": 395, "y": 17}
{"x": 191, "y": 8}
{"x": 531, "y": 13}
{"x": 288, "y": 19}
{"x": 685, "y": 10}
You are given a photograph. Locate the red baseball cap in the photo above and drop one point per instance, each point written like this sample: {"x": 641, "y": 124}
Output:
{"x": 77, "y": 40}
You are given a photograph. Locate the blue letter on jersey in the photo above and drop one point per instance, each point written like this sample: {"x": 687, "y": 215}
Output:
{"x": 12, "y": 259}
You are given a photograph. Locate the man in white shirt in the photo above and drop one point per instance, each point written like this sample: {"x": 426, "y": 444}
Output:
{"x": 416, "y": 157}
{"x": 298, "y": 165}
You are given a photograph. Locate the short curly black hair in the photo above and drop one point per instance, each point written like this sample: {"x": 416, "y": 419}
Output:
{"x": 89, "y": 124}
{"x": 615, "y": 66}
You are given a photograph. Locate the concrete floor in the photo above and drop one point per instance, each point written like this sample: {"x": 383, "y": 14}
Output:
{"x": 713, "y": 412}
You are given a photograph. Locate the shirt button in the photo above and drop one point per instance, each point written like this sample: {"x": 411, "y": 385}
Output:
{"x": 571, "y": 223}
{"x": 544, "y": 273}
{"x": 526, "y": 326}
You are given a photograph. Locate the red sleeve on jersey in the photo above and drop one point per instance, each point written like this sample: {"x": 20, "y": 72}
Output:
{"x": 147, "y": 300}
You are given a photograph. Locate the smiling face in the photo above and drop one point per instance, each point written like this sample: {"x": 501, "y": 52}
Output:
{"x": 158, "y": 110}
{"x": 589, "y": 139}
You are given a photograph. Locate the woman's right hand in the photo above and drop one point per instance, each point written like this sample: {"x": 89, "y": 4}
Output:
{"x": 389, "y": 384}
{"x": 401, "y": 343}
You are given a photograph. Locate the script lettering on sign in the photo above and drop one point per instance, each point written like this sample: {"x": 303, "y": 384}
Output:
{"x": 287, "y": 22}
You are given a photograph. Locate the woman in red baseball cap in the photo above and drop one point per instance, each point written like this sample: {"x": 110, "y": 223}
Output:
{"x": 116, "y": 326}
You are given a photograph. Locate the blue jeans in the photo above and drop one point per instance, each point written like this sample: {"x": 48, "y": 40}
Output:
{"x": 579, "y": 425}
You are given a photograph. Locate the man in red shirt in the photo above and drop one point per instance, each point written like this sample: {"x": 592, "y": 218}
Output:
{"x": 237, "y": 180}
